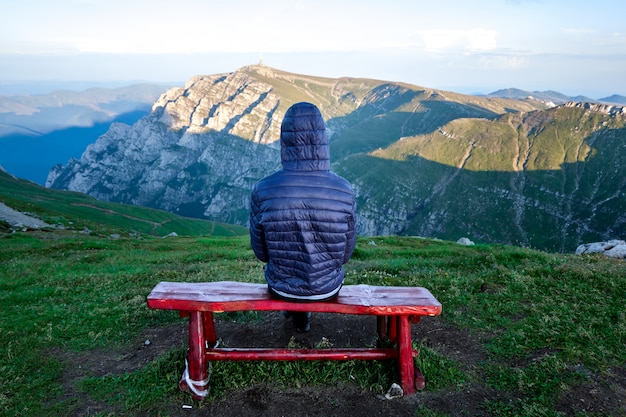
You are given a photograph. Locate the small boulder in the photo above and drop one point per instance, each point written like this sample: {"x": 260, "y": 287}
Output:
{"x": 613, "y": 248}
{"x": 465, "y": 241}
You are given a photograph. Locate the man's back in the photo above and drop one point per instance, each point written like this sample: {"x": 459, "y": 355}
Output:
{"x": 302, "y": 218}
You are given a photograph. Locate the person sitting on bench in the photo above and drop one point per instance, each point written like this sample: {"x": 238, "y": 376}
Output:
{"x": 302, "y": 218}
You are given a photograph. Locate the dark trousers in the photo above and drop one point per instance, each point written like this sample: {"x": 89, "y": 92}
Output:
{"x": 299, "y": 300}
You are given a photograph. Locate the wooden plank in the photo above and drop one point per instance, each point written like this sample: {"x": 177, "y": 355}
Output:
{"x": 405, "y": 356}
{"x": 337, "y": 354}
{"x": 241, "y": 296}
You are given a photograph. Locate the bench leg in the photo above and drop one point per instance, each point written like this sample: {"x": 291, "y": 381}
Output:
{"x": 392, "y": 328}
{"x": 386, "y": 327}
{"x": 195, "y": 377}
{"x": 381, "y": 328}
{"x": 209, "y": 329}
{"x": 420, "y": 381}
{"x": 405, "y": 356}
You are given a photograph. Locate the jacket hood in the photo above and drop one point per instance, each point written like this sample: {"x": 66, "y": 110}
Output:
{"x": 303, "y": 139}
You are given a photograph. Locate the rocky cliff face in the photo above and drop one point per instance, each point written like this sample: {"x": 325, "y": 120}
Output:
{"x": 188, "y": 156}
{"x": 423, "y": 162}
{"x": 609, "y": 109}
{"x": 236, "y": 104}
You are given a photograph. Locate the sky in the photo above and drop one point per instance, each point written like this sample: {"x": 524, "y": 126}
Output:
{"x": 574, "y": 47}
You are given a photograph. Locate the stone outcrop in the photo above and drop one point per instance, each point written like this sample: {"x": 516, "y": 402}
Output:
{"x": 613, "y": 248}
{"x": 465, "y": 242}
{"x": 20, "y": 220}
{"x": 599, "y": 107}
{"x": 235, "y": 103}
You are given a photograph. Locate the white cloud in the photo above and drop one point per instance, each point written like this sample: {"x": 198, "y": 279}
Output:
{"x": 501, "y": 62}
{"x": 481, "y": 39}
{"x": 439, "y": 40}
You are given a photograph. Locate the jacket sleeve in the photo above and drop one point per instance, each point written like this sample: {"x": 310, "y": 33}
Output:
{"x": 351, "y": 233}
{"x": 257, "y": 235}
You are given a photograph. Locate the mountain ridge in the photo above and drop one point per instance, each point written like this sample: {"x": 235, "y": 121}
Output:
{"x": 205, "y": 144}
{"x": 554, "y": 97}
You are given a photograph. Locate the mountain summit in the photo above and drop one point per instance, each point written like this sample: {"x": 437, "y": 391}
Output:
{"x": 422, "y": 161}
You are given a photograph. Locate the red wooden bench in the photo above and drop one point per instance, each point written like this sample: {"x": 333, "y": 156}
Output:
{"x": 395, "y": 308}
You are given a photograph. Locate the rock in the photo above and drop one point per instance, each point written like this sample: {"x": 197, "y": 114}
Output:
{"x": 618, "y": 252}
{"x": 395, "y": 391}
{"x": 465, "y": 241}
{"x": 598, "y": 107}
{"x": 613, "y": 248}
{"x": 19, "y": 220}
{"x": 198, "y": 153}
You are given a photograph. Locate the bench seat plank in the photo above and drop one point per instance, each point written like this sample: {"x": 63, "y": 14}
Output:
{"x": 242, "y": 296}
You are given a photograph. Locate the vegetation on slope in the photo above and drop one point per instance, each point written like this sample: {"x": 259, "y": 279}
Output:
{"x": 550, "y": 180}
{"x": 76, "y": 211}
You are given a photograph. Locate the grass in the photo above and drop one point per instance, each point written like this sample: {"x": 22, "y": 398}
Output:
{"x": 76, "y": 211}
{"x": 546, "y": 321}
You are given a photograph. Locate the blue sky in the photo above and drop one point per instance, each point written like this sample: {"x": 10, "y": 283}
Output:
{"x": 575, "y": 47}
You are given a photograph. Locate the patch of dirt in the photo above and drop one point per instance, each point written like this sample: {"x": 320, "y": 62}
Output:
{"x": 344, "y": 400}
{"x": 594, "y": 396}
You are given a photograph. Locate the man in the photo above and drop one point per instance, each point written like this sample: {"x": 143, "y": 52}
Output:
{"x": 302, "y": 218}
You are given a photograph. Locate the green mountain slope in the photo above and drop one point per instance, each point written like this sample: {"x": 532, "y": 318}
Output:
{"x": 548, "y": 179}
{"x": 76, "y": 211}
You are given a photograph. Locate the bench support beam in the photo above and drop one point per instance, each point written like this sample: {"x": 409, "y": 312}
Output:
{"x": 263, "y": 354}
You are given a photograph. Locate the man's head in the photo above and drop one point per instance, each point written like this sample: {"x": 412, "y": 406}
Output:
{"x": 303, "y": 139}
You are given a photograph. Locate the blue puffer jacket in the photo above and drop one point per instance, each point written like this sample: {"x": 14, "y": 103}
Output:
{"x": 302, "y": 218}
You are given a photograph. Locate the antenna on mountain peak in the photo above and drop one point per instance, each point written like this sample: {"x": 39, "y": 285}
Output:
{"x": 261, "y": 58}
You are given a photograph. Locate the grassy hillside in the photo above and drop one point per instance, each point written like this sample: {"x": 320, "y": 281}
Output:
{"x": 76, "y": 211}
{"x": 549, "y": 179}
{"x": 523, "y": 333}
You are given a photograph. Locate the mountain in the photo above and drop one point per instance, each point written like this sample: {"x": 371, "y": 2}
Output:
{"x": 43, "y": 113}
{"x": 76, "y": 212}
{"x": 422, "y": 161}
{"x": 614, "y": 99}
{"x": 548, "y": 179}
{"x": 60, "y": 125}
{"x": 552, "y": 97}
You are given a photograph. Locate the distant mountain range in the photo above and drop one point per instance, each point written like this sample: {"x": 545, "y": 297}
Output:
{"x": 39, "y": 131}
{"x": 521, "y": 171}
{"x": 554, "y": 97}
